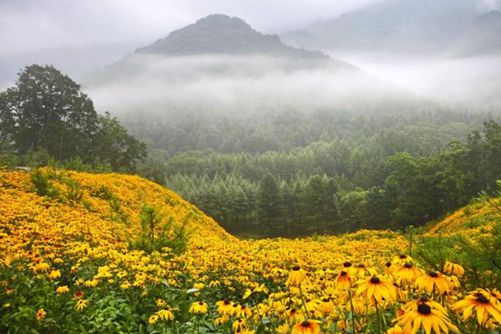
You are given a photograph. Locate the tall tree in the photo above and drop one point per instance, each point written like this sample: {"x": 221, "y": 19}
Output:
{"x": 48, "y": 111}
{"x": 268, "y": 201}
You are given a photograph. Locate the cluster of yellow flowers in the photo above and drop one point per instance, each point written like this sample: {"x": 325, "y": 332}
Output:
{"x": 336, "y": 284}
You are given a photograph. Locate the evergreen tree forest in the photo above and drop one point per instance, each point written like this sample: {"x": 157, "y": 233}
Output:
{"x": 292, "y": 174}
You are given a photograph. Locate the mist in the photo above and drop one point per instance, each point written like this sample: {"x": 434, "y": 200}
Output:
{"x": 249, "y": 83}
{"x": 472, "y": 82}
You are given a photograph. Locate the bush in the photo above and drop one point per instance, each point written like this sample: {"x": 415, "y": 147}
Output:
{"x": 158, "y": 233}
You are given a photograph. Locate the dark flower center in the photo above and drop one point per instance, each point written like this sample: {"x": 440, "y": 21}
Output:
{"x": 201, "y": 303}
{"x": 226, "y": 302}
{"x": 325, "y": 300}
{"x": 482, "y": 299}
{"x": 408, "y": 265}
{"x": 433, "y": 274}
{"x": 403, "y": 256}
{"x": 375, "y": 280}
{"x": 306, "y": 324}
{"x": 388, "y": 264}
{"x": 296, "y": 268}
{"x": 347, "y": 264}
{"x": 343, "y": 273}
{"x": 424, "y": 309}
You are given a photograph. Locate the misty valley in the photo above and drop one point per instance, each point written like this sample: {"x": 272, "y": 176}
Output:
{"x": 315, "y": 174}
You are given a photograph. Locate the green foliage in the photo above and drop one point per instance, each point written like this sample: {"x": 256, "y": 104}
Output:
{"x": 45, "y": 118}
{"x": 160, "y": 233}
{"x": 43, "y": 185}
{"x": 336, "y": 186}
{"x": 481, "y": 259}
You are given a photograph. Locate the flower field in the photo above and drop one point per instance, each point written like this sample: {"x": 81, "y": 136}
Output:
{"x": 109, "y": 253}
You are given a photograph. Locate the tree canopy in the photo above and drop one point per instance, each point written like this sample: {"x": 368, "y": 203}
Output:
{"x": 47, "y": 111}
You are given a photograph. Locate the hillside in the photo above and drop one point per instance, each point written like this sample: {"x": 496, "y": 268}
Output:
{"x": 222, "y": 34}
{"x": 477, "y": 220}
{"x": 426, "y": 27}
{"x": 68, "y": 265}
{"x": 216, "y": 45}
{"x": 102, "y": 209}
{"x": 479, "y": 37}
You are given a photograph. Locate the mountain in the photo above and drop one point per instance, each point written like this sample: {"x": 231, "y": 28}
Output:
{"x": 481, "y": 36}
{"x": 214, "y": 45}
{"x": 221, "y": 34}
{"x": 402, "y": 26}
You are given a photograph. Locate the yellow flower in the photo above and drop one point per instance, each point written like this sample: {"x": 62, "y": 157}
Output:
{"x": 42, "y": 266}
{"x": 431, "y": 281}
{"x": 343, "y": 281}
{"x": 153, "y": 319}
{"x": 54, "y": 274}
{"x": 407, "y": 273}
{"x": 485, "y": 303}
{"x": 453, "y": 269}
{"x": 165, "y": 314}
{"x": 91, "y": 283}
{"x": 239, "y": 325}
{"x": 306, "y": 327}
{"x": 62, "y": 289}
{"x": 81, "y": 304}
{"x": 296, "y": 276}
{"x": 224, "y": 306}
{"x": 427, "y": 315}
{"x": 198, "y": 286}
{"x": 283, "y": 329}
{"x": 326, "y": 307}
{"x": 377, "y": 289}
{"x": 160, "y": 303}
{"x": 41, "y": 314}
{"x": 199, "y": 308}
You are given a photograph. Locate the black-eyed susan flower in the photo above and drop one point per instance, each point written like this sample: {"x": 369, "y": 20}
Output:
{"x": 296, "y": 276}
{"x": 239, "y": 325}
{"x": 306, "y": 327}
{"x": 484, "y": 303}
{"x": 455, "y": 269}
{"x": 40, "y": 314}
{"x": 377, "y": 289}
{"x": 199, "y": 308}
{"x": 224, "y": 306}
{"x": 426, "y": 315}
{"x": 81, "y": 304}
{"x": 326, "y": 306}
{"x": 54, "y": 274}
{"x": 153, "y": 319}
{"x": 431, "y": 281}
{"x": 283, "y": 329}
{"x": 343, "y": 280}
{"x": 294, "y": 314}
{"x": 62, "y": 289}
{"x": 407, "y": 273}
{"x": 160, "y": 303}
{"x": 165, "y": 314}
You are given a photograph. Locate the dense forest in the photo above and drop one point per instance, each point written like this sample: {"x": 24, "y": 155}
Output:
{"x": 293, "y": 173}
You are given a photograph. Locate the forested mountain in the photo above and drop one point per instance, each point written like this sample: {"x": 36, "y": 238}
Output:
{"x": 221, "y": 43}
{"x": 480, "y": 36}
{"x": 454, "y": 27}
{"x": 222, "y": 34}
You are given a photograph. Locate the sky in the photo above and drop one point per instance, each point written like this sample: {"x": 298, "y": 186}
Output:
{"x": 29, "y": 25}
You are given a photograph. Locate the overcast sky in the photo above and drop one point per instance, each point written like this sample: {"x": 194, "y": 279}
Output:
{"x": 28, "y": 25}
